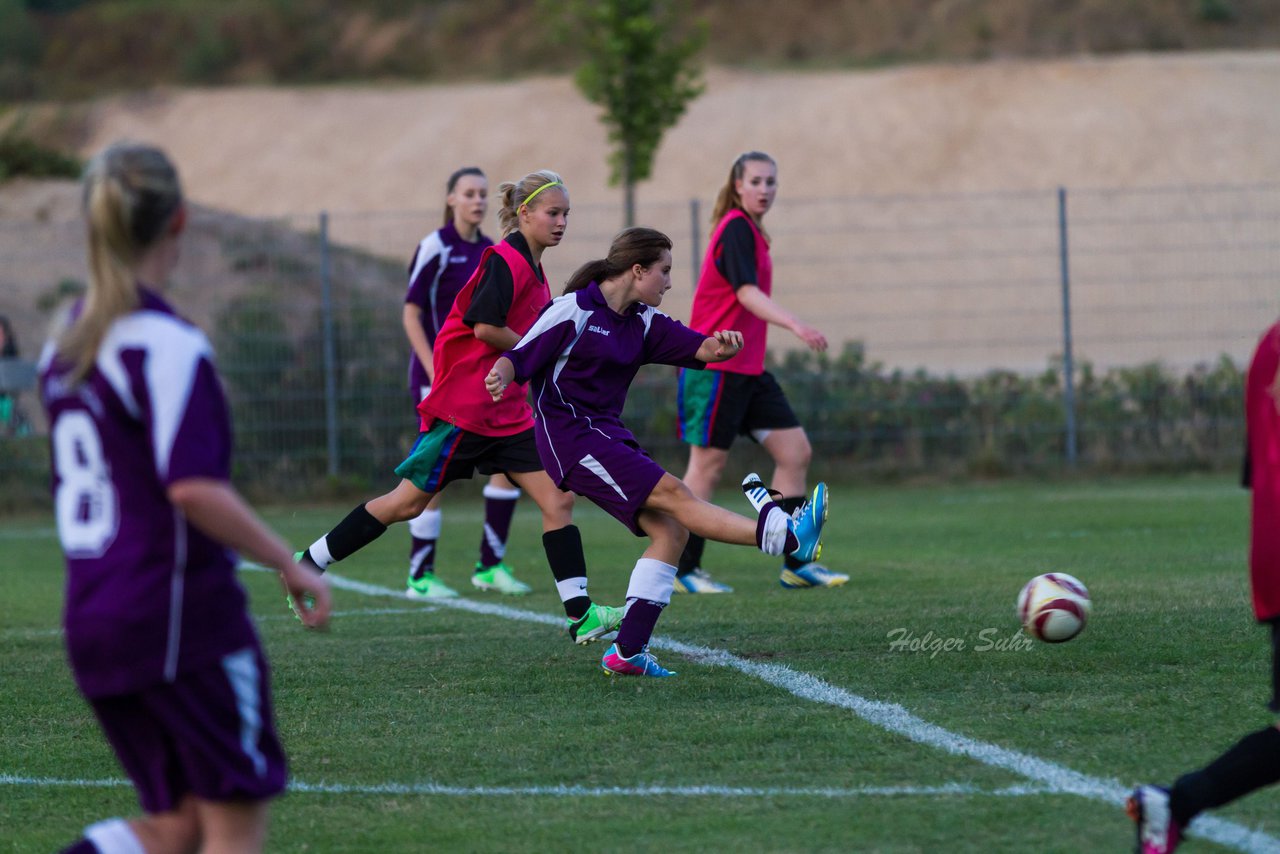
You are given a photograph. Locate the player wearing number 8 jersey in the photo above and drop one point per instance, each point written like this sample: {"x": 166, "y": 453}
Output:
{"x": 157, "y": 630}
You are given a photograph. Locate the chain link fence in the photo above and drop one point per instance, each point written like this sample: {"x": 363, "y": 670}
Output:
{"x": 980, "y": 332}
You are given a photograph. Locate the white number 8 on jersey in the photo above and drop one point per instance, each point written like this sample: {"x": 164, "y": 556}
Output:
{"x": 85, "y": 503}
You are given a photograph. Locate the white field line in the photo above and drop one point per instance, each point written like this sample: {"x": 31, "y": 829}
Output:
{"x": 947, "y": 790}
{"x": 892, "y": 717}
{"x": 1046, "y": 777}
{"x": 422, "y": 608}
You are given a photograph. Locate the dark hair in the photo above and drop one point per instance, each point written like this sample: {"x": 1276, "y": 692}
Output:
{"x": 637, "y": 245}
{"x": 10, "y": 345}
{"x": 453, "y": 182}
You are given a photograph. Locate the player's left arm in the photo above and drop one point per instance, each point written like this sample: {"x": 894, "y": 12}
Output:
{"x": 762, "y": 306}
{"x": 215, "y": 508}
{"x": 720, "y": 346}
{"x": 500, "y": 338}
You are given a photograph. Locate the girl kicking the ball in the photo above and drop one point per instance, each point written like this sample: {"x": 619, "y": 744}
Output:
{"x": 462, "y": 432}
{"x": 580, "y": 358}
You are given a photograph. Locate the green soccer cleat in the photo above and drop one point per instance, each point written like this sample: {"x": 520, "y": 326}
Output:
{"x": 599, "y": 621}
{"x": 428, "y": 587}
{"x": 498, "y": 577}
{"x": 307, "y": 599}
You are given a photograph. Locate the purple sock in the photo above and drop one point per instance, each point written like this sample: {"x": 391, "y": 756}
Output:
{"x": 499, "y": 507}
{"x": 637, "y": 626}
{"x": 422, "y": 557}
{"x": 82, "y": 846}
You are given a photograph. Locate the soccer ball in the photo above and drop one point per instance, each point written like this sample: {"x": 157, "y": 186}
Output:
{"x": 1053, "y": 607}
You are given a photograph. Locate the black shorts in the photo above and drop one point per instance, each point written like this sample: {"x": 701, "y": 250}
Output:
{"x": 715, "y": 407}
{"x": 446, "y": 453}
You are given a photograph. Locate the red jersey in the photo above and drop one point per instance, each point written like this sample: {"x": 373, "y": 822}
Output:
{"x": 716, "y": 306}
{"x": 1262, "y": 422}
{"x": 462, "y": 360}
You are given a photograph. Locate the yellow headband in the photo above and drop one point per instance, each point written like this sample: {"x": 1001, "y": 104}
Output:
{"x": 539, "y": 190}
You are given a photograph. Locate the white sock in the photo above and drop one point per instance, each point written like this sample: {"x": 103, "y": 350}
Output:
{"x": 114, "y": 836}
{"x": 572, "y": 588}
{"x": 653, "y": 580}
{"x": 777, "y": 524}
{"x": 319, "y": 551}
{"x": 426, "y": 525}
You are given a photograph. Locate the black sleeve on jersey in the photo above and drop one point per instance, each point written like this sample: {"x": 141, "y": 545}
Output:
{"x": 492, "y": 297}
{"x": 737, "y": 258}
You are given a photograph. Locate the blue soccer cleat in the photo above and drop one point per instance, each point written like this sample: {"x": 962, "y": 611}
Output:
{"x": 808, "y": 523}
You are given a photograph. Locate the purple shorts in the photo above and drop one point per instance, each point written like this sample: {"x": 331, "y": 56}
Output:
{"x": 619, "y": 478}
{"x": 211, "y": 734}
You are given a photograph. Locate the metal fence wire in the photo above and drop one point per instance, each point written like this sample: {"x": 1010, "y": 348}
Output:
{"x": 970, "y": 332}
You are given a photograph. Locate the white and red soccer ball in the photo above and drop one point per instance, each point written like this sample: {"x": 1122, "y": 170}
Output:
{"x": 1053, "y": 607}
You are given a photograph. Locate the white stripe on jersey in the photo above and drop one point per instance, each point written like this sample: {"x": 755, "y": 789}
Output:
{"x": 430, "y": 247}
{"x": 174, "y": 350}
{"x": 241, "y": 669}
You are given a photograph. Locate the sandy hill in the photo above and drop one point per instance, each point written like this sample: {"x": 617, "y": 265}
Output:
{"x": 367, "y": 153}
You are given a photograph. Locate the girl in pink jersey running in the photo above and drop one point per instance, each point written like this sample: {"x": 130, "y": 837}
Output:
{"x": 1161, "y": 814}
{"x": 739, "y": 397}
{"x": 441, "y": 267}
{"x": 462, "y": 431}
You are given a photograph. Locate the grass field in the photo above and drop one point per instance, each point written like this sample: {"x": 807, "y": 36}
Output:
{"x": 795, "y": 723}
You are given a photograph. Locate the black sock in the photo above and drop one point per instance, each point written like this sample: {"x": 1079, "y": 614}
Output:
{"x": 564, "y": 553}
{"x": 691, "y": 557}
{"x": 81, "y": 846}
{"x": 1274, "y": 705}
{"x": 1253, "y": 762}
{"x": 353, "y": 533}
{"x": 789, "y": 506}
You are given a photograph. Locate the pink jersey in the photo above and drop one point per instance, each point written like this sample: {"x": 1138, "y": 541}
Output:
{"x": 1262, "y": 420}
{"x": 461, "y": 360}
{"x": 716, "y": 306}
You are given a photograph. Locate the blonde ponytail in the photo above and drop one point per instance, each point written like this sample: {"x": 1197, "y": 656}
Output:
{"x": 131, "y": 193}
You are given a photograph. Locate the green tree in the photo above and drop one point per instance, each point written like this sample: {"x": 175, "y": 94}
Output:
{"x": 641, "y": 67}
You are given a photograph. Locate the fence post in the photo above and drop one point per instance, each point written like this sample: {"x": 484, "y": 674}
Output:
{"x": 695, "y": 239}
{"x": 1068, "y": 363}
{"x": 330, "y": 358}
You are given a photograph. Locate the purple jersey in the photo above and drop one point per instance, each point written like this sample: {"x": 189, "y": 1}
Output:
{"x": 580, "y": 358}
{"x": 441, "y": 265}
{"x": 148, "y": 595}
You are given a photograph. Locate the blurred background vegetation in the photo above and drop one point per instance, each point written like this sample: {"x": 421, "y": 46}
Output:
{"x": 69, "y": 49}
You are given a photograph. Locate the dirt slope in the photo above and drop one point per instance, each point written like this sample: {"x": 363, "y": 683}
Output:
{"x": 1136, "y": 121}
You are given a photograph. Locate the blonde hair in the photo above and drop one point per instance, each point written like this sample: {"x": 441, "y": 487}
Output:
{"x": 728, "y": 198}
{"x": 131, "y": 193}
{"x": 513, "y": 195}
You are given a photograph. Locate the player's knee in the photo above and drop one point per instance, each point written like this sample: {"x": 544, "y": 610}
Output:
{"x": 795, "y": 455}
{"x": 557, "y": 509}
{"x": 171, "y": 831}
